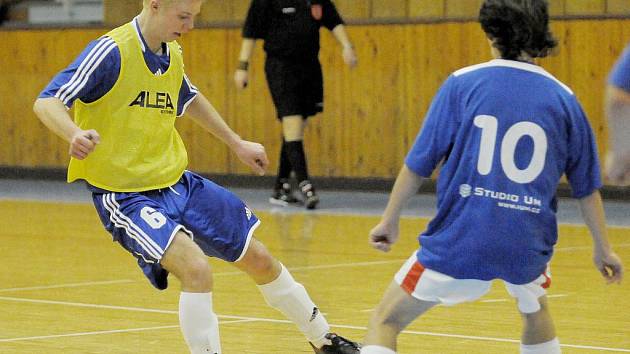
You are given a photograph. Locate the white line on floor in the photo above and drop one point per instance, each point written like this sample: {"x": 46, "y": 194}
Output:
{"x": 489, "y": 300}
{"x": 69, "y": 285}
{"x": 252, "y": 319}
{"x": 87, "y": 333}
{"x": 107, "y": 332}
{"x": 580, "y": 248}
{"x": 324, "y": 266}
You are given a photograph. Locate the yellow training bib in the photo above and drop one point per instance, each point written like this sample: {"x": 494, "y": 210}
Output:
{"x": 140, "y": 148}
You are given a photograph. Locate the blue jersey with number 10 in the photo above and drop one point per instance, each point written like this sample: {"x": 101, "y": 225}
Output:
{"x": 506, "y": 132}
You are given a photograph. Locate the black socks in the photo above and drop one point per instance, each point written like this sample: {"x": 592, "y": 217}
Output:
{"x": 295, "y": 154}
{"x": 284, "y": 167}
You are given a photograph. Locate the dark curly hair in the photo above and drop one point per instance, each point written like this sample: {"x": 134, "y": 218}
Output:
{"x": 518, "y": 26}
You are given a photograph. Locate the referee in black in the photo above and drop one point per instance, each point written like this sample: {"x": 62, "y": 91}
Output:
{"x": 290, "y": 30}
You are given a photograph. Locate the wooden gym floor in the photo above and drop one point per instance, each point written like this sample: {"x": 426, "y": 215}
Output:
{"x": 66, "y": 288}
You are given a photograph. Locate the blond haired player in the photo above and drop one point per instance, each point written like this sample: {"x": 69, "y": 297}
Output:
{"x": 128, "y": 89}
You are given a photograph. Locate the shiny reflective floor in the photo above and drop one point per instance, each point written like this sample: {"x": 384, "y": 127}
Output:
{"x": 66, "y": 288}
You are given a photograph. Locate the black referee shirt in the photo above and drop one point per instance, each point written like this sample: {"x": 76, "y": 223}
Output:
{"x": 290, "y": 28}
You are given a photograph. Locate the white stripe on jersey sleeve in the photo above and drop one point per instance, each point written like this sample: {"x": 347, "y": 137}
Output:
{"x": 62, "y": 89}
{"x": 191, "y": 87}
{"x": 185, "y": 106}
{"x": 87, "y": 67}
{"x": 193, "y": 90}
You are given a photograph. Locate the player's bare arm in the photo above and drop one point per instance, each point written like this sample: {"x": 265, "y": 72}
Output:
{"x": 251, "y": 153}
{"x": 349, "y": 56}
{"x": 385, "y": 234}
{"x": 52, "y": 112}
{"x": 241, "y": 75}
{"x": 618, "y": 112}
{"x": 605, "y": 259}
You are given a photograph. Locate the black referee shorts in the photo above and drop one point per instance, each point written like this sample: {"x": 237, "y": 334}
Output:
{"x": 296, "y": 86}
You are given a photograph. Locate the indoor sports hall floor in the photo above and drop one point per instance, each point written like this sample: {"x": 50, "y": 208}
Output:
{"x": 65, "y": 288}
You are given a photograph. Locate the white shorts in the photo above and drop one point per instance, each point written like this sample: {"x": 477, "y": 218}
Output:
{"x": 429, "y": 285}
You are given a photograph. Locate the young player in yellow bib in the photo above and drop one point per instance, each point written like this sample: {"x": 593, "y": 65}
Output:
{"x": 130, "y": 87}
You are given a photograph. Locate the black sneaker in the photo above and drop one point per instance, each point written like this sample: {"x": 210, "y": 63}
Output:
{"x": 339, "y": 345}
{"x": 283, "y": 196}
{"x": 309, "y": 197}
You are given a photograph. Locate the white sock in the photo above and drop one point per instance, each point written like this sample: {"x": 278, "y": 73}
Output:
{"x": 376, "y": 349}
{"x": 289, "y": 297}
{"x": 551, "y": 347}
{"x": 199, "y": 324}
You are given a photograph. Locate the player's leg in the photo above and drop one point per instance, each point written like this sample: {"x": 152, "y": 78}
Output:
{"x": 539, "y": 335}
{"x": 310, "y": 86}
{"x": 292, "y": 158}
{"x": 223, "y": 227}
{"x": 293, "y": 128}
{"x": 284, "y": 88}
{"x": 415, "y": 290}
{"x": 396, "y": 311}
{"x": 293, "y": 132}
{"x": 141, "y": 223}
{"x": 283, "y": 293}
{"x": 185, "y": 260}
{"x": 282, "y": 191}
{"x": 198, "y": 322}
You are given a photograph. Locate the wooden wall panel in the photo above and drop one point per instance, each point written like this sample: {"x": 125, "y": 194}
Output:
{"x": 117, "y": 12}
{"x": 250, "y": 111}
{"x": 589, "y": 72}
{"x": 389, "y": 8}
{"x": 239, "y": 9}
{"x": 220, "y": 11}
{"x": 556, "y": 7}
{"x": 353, "y": 9}
{"x": 559, "y": 62}
{"x": 426, "y": 8}
{"x": 215, "y": 11}
{"x": 372, "y": 113}
{"x": 618, "y": 7}
{"x": 364, "y": 107}
{"x": 205, "y": 64}
{"x": 462, "y": 8}
{"x": 585, "y": 7}
{"x": 35, "y": 56}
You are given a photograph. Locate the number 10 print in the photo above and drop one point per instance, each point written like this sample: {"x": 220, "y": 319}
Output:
{"x": 489, "y": 125}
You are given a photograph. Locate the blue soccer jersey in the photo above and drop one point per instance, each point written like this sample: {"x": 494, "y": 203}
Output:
{"x": 506, "y": 132}
{"x": 620, "y": 74}
{"x": 95, "y": 71}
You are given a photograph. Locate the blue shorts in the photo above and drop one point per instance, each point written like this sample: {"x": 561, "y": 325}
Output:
{"x": 144, "y": 223}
